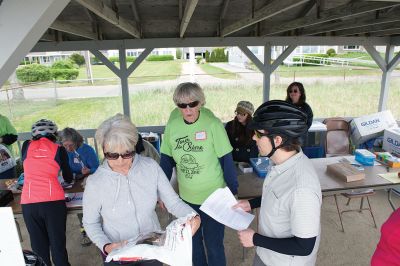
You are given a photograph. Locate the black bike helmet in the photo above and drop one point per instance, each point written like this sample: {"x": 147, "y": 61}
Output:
{"x": 279, "y": 118}
{"x": 32, "y": 259}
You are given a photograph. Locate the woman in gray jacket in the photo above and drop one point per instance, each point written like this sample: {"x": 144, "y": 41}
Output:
{"x": 120, "y": 197}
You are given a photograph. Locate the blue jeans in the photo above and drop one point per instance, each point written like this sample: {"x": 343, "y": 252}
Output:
{"x": 212, "y": 232}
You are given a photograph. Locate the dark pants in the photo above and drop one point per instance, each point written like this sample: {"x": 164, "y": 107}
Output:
{"x": 139, "y": 263}
{"x": 9, "y": 174}
{"x": 46, "y": 224}
{"x": 212, "y": 232}
{"x": 257, "y": 261}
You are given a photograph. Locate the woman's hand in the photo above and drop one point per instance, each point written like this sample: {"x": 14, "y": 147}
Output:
{"x": 109, "y": 247}
{"x": 195, "y": 224}
{"x": 243, "y": 204}
{"x": 85, "y": 171}
{"x": 246, "y": 237}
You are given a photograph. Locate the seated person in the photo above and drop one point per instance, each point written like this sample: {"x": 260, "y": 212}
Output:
{"x": 8, "y": 135}
{"x": 240, "y": 137}
{"x": 83, "y": 161}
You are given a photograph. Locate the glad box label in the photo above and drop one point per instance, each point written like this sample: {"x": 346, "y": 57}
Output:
{"x": 391, "y": 140}
{"x": 367, "y": 127}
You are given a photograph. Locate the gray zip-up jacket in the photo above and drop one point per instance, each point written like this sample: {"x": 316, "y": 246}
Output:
{"x": 118, "y": 207}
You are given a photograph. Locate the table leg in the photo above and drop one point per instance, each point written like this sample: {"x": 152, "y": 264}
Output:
{"x": 390, "y": 199}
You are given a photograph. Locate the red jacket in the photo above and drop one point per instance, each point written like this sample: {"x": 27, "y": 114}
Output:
{"x": 387, "y": 252}
{"x": 41, "y": 173}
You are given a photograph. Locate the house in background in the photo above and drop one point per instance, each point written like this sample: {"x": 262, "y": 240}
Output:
{"x": 137, "y": 52}
{"x": 46, "y": 58}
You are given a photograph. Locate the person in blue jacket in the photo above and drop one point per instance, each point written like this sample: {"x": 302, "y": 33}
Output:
{"x": 83, "y": 161}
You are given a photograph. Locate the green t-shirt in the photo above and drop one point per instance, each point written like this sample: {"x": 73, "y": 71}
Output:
{"x": 196, "y": 148}
{"x": 6, "y": 128}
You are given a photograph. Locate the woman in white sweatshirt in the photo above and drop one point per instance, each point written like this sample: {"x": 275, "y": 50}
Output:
{"x": 120, "y": 197}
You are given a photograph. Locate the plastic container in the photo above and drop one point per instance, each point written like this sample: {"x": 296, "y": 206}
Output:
{"x": 260, "y": 166}
{"x": 365, "y": 157}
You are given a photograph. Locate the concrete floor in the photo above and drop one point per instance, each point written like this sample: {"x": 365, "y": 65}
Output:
{"x": 354, "y": 247}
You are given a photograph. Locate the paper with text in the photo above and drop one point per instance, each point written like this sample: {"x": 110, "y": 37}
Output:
{"x": 219, "y": 206}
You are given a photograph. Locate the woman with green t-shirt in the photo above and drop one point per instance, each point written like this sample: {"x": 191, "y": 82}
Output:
{"x": 196, "y": 143}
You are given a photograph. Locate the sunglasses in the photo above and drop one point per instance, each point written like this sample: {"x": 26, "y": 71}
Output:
{"x": 185, "y": 105}
{"x": 260, "y": 134}
{"x": 115, "y": 156}
{"x": 293, "y": 91}
{"x": 238, "y": 113}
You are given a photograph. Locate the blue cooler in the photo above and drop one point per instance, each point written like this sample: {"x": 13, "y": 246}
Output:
{"x": 365, "y": 157}
{"x": 260, "y": 166}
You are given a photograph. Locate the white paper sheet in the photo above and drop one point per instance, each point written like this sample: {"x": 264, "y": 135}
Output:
{"x": 219, "y": 206}
{"x": 10, "y": 247}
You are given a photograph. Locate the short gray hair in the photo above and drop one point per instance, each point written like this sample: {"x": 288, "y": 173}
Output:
{"x": 116, "y": 132}
{"x": 189, "y": 90}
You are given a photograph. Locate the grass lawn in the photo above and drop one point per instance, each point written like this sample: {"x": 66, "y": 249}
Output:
{"x": 317, "y": 71}
{"x": 327, "y": 99}
{"x": 217, "y": 71}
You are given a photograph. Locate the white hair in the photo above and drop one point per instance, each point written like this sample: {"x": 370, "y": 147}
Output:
{"x": 117, "y": 134}
{"x": 189, "y": 91}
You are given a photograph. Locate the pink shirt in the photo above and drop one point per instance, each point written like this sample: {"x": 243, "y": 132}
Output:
{"x": 388, "y": 249}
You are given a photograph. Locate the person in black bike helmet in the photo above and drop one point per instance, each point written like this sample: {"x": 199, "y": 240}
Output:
{"x": 289, "y": 220}
{"x": 43, "y": 198}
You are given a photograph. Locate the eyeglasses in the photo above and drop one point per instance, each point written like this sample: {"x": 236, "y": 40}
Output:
{"x": 238, "y": 113}
{"x": 185, "y": 105}
{"x": 293, "y": 91}
{"x": 260, "y": 134}
{"x": 115, "y": 156}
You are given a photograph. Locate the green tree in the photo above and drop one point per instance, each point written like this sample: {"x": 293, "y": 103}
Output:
{"x": 207, "y": 56}
{"x": 77, "y": 59}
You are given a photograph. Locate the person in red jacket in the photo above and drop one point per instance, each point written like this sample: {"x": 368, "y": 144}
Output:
{"x": 388, "y": 249}
{"x": 43, "y": 199}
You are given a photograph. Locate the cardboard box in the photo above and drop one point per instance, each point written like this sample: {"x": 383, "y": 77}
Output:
{"x": 345, "y": 171}
{"x": 367, "y": 127}
{"x": 391, "y": 140}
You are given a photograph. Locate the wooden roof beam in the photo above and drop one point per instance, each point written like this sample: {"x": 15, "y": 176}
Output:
{"x": 349, "y": 24}
{"x": 73, "y": 29}
{"x": 106, "y": 13}
{"x": 270, "y": 10}
{"x": 343, "y": 11}
{"x": 187, "y": 15}
{"x": 135, "y": 10}
{"x": 368, "y": 29}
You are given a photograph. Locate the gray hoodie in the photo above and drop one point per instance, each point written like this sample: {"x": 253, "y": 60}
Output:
{"x": 118, "y": 207}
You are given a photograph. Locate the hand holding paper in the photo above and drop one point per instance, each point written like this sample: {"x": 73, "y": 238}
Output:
{"x": 219, "y": 206}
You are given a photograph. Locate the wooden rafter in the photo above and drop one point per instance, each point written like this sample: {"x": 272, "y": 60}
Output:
{"x": 272, "y": 9}
{"x": 106, "y": 13}
{"x": 368, "y": 29}
{"x": 349, "y": 24}
{"x": 135, "y": 10}
{"x": 73, "y": 29}
{"x": 343, "y": 11}
{"x": 187, "y": 15}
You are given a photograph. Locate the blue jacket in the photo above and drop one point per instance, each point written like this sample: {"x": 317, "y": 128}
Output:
{"x": 83, "y": 156}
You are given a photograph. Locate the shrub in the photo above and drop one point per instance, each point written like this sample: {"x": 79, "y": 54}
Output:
{"x": 207, "y": 56}
{"x": 115, "y": 59}
{"x": 64, "y": 73}
{"x": 33, "y": 73}
{"x": 63, "y": 64}
{"x": 198, "y": 59}
{"x": 178, "y": 53}
{"x": 331, "y": 52}
{"x": 64, "y": 70}
{"x": 77, "y": 59}
{"x": 160, "y": 58}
